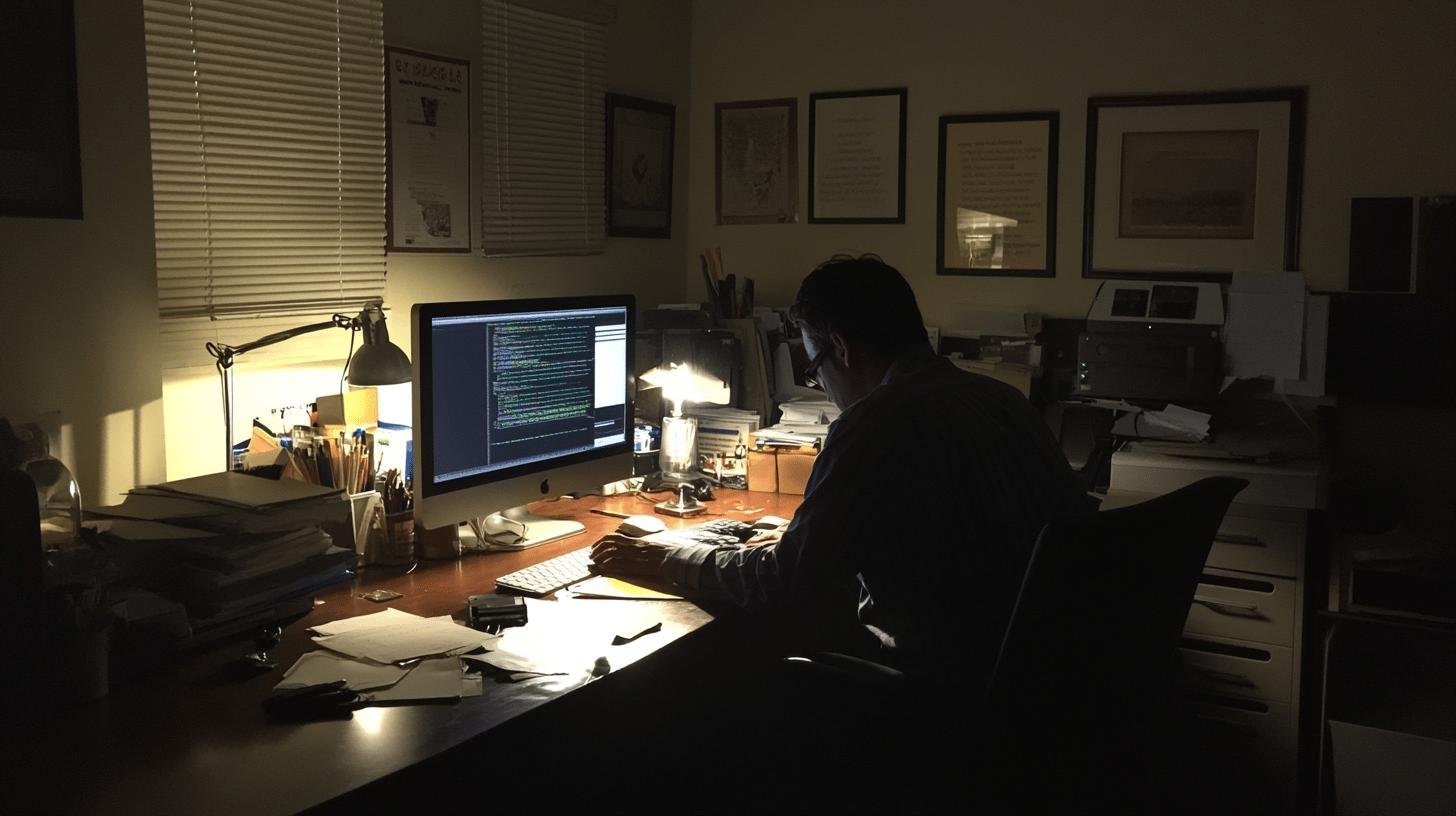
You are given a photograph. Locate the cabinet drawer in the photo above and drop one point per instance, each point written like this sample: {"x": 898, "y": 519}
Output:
{"x": 1243, "y": 607}
{"x": 1237, "y": 669}
{"x": 1250, "y": 755}
{"x": 1268, "y": 546}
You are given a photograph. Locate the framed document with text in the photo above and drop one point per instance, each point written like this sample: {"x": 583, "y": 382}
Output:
{"x": 1194, "y": 186}
{"x": 997, "y": 195}
{"x": 427, "y": 108}
{"x": 757, "y": 153}
{"x": 857, "y": 157}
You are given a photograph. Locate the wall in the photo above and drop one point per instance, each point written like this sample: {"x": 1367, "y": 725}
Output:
{"x": 647, "y": 57}
{"x": 78, "y": 318}
{"x": 1382, "y": 111}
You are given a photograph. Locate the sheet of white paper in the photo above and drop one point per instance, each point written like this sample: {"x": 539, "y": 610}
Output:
{"x": 384, "y": 618}
{"x": 1264, "y": 335}
{"x": 326, "y": 667}
{"x": 1316, "y": 349}
{"x": 440, "y": 678}
{"x": 509, "y": 662}
{"x": 404, "y": 641}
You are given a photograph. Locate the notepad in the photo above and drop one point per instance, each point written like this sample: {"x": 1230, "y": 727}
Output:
{"x": 602, "y": 587}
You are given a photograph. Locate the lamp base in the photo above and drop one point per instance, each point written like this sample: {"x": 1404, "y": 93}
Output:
{"x": 683, "y": 506}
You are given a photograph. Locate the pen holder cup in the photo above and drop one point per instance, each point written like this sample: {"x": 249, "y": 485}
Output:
{"x": 439, "y": 544}
{"x": 398, "y": 544}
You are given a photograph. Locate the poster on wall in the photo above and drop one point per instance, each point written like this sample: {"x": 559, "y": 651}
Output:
{"x": 639, "y": 167}
{"x": 998, "y": 194}
{"x": 428, "y": 111}
{"x": 758, "y": 161}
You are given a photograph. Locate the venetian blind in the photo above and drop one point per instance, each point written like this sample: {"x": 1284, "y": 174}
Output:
{"x": 267, "y": 125}
{"x": 542, "y": 106}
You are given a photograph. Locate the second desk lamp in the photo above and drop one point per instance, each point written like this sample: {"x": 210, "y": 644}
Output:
{"x": 679, "y": 384}
{"x": 377, "y": 362}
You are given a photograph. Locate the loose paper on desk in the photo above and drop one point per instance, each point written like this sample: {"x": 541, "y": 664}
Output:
{"x": 440, "y": 678}
{"x": 326, "y": 667}
{"x": 404, "y": 641}
{"x": 1264, "y": 333}
{"x": 384, "y": 618}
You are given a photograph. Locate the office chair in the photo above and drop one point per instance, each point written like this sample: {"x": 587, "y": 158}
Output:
{"x": 1077, "y": 703}
{"x": 1079, "y": 698}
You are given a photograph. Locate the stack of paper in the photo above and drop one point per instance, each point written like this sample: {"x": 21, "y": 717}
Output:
{"x": 801, "y": 422}
{"x": 392, "y": 656}
{"x": 722, "y": 430}
{"x": 230, "y": 547}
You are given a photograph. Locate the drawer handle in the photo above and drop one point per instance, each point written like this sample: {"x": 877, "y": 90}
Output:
{"x": 1242, "y": 540}
{"x": 1230, "y": 609}
{"x": 1226, "y": 678}
{"x": 1232, "y": 726}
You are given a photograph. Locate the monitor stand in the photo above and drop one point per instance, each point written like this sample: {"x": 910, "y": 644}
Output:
{"x": 518, "y": 529}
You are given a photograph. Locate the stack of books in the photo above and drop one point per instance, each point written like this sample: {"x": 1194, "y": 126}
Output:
{"x": 235, "y": 550}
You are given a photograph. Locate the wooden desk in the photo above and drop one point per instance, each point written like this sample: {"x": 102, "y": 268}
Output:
{"x": 191, "y": 738}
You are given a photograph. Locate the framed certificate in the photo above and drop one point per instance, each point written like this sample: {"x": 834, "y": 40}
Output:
{"x": 998, "y": 195}
{"x": 857, "y": 157}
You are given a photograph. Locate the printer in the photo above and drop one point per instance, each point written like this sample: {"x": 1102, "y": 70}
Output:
{"x": 1156, "y": 341}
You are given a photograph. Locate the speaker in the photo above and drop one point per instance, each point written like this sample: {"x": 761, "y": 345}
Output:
{"x": 1392, "y": 344}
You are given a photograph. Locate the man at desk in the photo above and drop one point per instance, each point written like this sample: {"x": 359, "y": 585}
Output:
{"x": 921, "y": 510}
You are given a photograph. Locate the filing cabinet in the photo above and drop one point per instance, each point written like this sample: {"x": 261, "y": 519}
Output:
{"x": 1242, "y": 643}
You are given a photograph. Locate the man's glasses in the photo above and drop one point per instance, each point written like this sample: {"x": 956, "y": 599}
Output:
{"x": 811, "y": 371}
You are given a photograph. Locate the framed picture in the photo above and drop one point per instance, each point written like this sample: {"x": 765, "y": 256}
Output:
{"x": 427, "y": 109}
{"x": 857, "y": 157}
{"x": 639, "y": 167}
{"x": 757, "y": 145}
{"x": 1193, "y": 186}
{"x": 40, "y": 138}
{"x": 997, "y": 195}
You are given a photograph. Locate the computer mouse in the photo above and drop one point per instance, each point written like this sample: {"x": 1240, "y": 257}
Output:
{"x": 638, "y": 526}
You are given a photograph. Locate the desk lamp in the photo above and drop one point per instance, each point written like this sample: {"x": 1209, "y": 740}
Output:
{"x": 377, "y": 362}
{"x": 679, "y": 384}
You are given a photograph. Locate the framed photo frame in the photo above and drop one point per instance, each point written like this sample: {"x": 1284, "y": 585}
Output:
{"x": 40, "y": 150}
{"x": 756, "y": 145}
{"x": 997, "y": 195}
{"x": 857, "y": 157}
{"x": 427, "y": 111}
{"x": 639, "y": 167}
{"x": 1193, "y": 186}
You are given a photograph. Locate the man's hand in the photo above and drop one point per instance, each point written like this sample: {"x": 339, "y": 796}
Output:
{"x": 628, "y": 557}
{"x": 761, "y": 539}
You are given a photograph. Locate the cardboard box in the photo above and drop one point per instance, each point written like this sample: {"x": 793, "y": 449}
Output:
{"x": 763, "y": 473}
{"x": 780, "y": 470}
{"x": 794, "y": 466}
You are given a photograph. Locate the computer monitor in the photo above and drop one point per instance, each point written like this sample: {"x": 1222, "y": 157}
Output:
{"x": 515, "y": 400}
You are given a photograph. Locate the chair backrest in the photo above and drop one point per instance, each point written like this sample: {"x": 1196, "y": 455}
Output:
{"x": 1086, "y": 667}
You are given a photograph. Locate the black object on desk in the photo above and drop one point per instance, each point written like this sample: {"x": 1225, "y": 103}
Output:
{"x": 322, "y": 701}
{"x": 493, "y": 611}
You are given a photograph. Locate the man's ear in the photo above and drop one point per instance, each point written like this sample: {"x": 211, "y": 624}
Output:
{"x": 841, "y": 349}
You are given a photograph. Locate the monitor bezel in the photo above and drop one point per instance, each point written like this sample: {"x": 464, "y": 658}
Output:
{"x": 424, "y": 313}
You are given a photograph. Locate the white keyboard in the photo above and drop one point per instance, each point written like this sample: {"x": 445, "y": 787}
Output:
{"x": 549, "y": 575}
